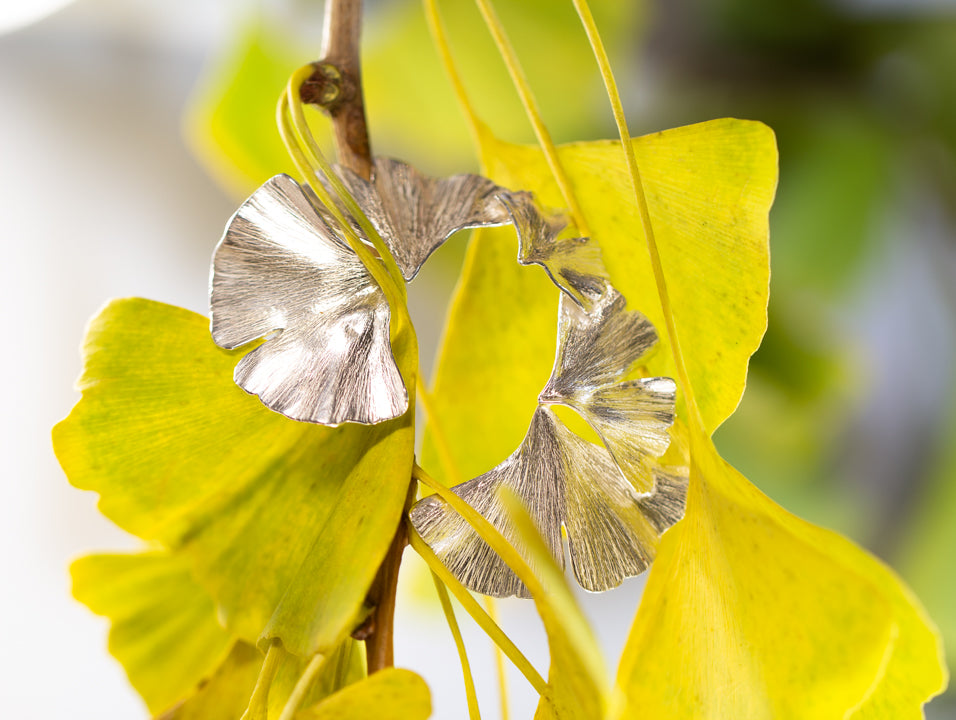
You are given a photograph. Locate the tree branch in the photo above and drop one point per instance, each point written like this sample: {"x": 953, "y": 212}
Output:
{"x": 336, "y": 84}
{"x": 379, "y": 629}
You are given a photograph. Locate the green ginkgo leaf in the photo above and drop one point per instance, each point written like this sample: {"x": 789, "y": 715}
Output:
{"x": 285, "y": 523}
{"x": 230, "y": 123}
{"x": 163, "y": 624}
{"x": 390, "y": 694}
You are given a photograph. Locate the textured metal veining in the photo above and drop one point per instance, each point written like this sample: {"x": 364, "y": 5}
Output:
{"x": 613, "y": 500}
{"x": 574, "y": 264}
{"x": 281, "y": 273}
{"x": 612, "y": 530}
{"x": 594, "y": 350}
{"x": 415, "y": 214}
{"x": 535, "y": 473}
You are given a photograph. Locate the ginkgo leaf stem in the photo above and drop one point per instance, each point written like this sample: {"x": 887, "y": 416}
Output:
{"x": 491, "y": 605}
{"x": 451, "y": 471}
{"x": 394, "y": 291}
{"x": 617, "y": 108}
{"x": 473, "y": 608}
{"x": 438, "y": 435}
{"x": 534, "y": 115}
{"x": 258, "y": 707}
{"x": 302, "y": 686}
{"x": 314, "y": 153}
{"x": 436, "y": 28}
{"x": 446, "y": 606}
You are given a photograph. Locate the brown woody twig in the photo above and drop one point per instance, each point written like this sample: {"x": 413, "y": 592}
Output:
{"x": 336, "y": 85}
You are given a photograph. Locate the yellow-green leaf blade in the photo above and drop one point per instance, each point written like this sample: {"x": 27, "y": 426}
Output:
{"x": 164, "y": 629}
{"x": 390, "y": 694}
{"x": 709, "y": 188}
{"x": 285, "y": 522}
{"x": 767, "y": 616}
{"x": 226, "y": 693}
{"x": 577, "y": 685}
{"x": 231, "y": 119}
{"x": 495, "y": 357}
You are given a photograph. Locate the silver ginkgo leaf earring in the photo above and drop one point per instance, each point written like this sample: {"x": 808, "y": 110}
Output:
{"x": 613, "y": 500}
{"x": 283, "y": 273}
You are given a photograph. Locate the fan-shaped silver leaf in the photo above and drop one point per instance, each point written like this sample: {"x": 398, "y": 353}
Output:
{"x": 613, "y": 531}
{"x": 415, "y": 214}
{"x": 596, "y": 348}
{"x": 632, "y": 419}
{"x": 535, "y": 473}
{"x": 573, "y": 264}
{"x": 561, "y": 479}
{"x": 281, "y": 273}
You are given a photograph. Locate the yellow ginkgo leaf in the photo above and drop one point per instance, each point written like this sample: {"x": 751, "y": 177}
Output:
{"x": 497, "y": 351}
{"x": 752, "y": 612}
{"x": 225, "y": 694}
{"x": 240, "y": 687}
{"x": 164, "y": 629}
{"x": 285, "y": 523}
{"x": 391, "y": 694}
{"x": 749, "y": 612}
{"x": 709, "y": 189}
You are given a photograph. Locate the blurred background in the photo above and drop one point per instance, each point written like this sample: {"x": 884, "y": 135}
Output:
{"x": 130, "y": 129}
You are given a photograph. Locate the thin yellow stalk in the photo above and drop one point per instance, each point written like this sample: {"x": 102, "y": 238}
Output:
{"x": 436, "y": 27}
{"x": 534, "y": 115}
{"x": 473, "y": 608}
{"x": 306, "y": 138}
{"x": 302, "y": 686}
{"x": 584, "y": 12}
{"x": 451, "y": 471}
{"x": 449, "y": 611}
{"x": 258, "y": 707}
{"x": 486, "y": 531}
{"x": 394, "y": 292}
{"x": 491, "y": 606}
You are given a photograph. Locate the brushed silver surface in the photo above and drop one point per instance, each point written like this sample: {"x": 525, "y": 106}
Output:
{"x": 614, "y": 500}
{"x": 535, "y": 473}
{"x": 283, "y": 276}
{"x": 596, "y": 349}
{"x": 574, "y": 264}
{"x": 415, "y": 213}
{"x": 612, "y": 529}
{"x": 281, "y": 273}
